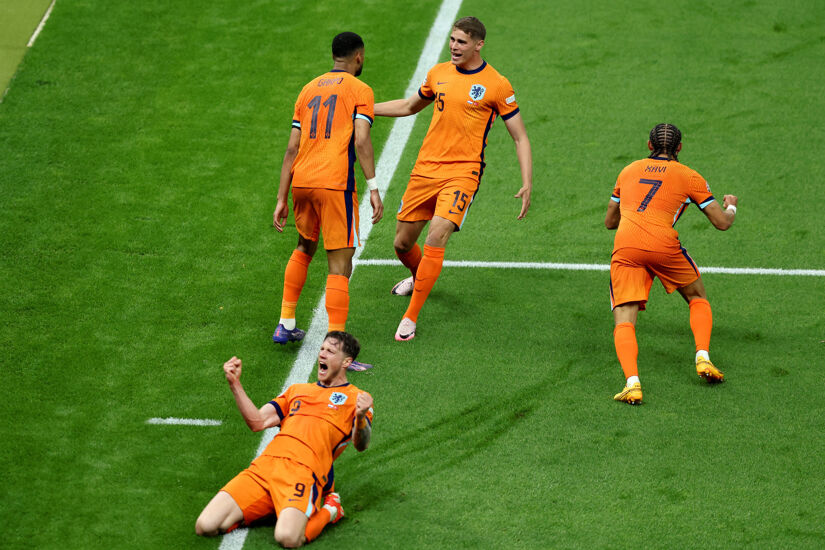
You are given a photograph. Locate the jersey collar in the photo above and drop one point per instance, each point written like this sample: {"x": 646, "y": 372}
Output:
{"x": 338, "y": 71}
{"x": 327, "y": 387}
{"x": 474, "y": 71}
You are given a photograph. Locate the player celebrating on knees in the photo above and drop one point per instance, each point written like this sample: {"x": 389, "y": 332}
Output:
{"x": 288, "y": 479}
{"x": 468, "y": 95}
{"x": 649, "y": 197}
{"x": 332, "y": 121}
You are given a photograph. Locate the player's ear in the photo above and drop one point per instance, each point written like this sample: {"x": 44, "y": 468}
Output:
{"x": 679, "y": 148}
{"x": 479, "y": 44}
{"x": 650, "y": 145}
{"x": 347, "y": 362}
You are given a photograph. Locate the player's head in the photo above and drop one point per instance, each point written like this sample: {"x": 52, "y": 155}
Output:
{"x": 665, "y": 139}
{"x": 338, "y": 351}
{"x": 349, "y": 47}
{"x": 466, "y": 40}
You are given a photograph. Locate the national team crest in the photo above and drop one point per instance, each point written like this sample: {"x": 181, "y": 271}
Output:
{"x": 338, "y": 398}
{"x": 477, "y": 92}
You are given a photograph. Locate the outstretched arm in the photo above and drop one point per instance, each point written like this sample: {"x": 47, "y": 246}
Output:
{"x": 722, "y": 219}
{"x": 282, "y": 208}
{"x": 402, "y": 107}
{"x": 515, "y": 125}
{"x": 257, "y": 419}
{"x": 362, "y": 430}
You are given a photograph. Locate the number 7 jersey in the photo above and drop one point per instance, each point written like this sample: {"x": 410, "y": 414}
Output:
{"x": 325, "y": 113}
{"x": 652, "y": 194}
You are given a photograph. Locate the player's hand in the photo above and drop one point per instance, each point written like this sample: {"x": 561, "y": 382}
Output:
{"x": 377, "y": 206}
{"x": 524, "y": 195}
{"x": 363, "y": 403}
{"x": 729, "y": 200}
{"x": 232, "y": 370}
{"x": 280, "y": 215}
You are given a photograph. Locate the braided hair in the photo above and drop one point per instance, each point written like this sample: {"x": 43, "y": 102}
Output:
{"x": 665, "y": 139}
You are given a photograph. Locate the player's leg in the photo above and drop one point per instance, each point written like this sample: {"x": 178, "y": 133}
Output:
{"x": 337, "y": 290}
{"x": 407, "y": 250}
{"x": 290, "y": 528}
{"x": 428, "y": 271}
{"x": 330, "y": 512}
{"x": 221, "y": 515}
{"x": 627, "y": 351}
{"x": 295, "y": 274}
{"x": 701, "y": 324}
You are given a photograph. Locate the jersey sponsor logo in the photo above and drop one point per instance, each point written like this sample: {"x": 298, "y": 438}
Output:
{"x": 338, "y": 398}
{"x": 440, "y": 82}
{"x": 477, "y": 92}
{"x": 510, "y": 99}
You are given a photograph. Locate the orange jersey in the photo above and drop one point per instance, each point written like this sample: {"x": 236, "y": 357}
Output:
{"x": 316, "y": 424}
{"x": 652, "y": 194}
{"x": 465, "y": 105}
{"x": 325, "y": 113}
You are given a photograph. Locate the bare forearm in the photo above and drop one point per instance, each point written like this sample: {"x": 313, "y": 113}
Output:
{"x": 249, "y": 411}
{"x": 525, "y": 160}
{"x": 286, "y": 175}
{"x": 363, "y": 432}
{"x": 366, "y": 158}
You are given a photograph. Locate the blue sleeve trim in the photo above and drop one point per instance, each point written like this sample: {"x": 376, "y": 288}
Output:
{"x": 278, "y": 409}
{"x": 428, "y": 98}
{"x": 704, "y": 204}
{"x": 296, "y": 124}
{"x": 364, "y": 117}
{"x": 510, "y": 115}
{"x": 614, "y": 198}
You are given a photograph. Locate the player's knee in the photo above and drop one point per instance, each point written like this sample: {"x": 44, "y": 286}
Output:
{"x": 402, "y": 244}
{"x": 289, "y": 539}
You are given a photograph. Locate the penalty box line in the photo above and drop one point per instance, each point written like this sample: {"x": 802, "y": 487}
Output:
{"x": 599, "y": 267}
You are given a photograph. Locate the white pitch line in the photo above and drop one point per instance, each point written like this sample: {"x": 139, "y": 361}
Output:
{"x": 41, "y": 25}
{"x": 184, "y": 421}
{"x": 604, "y": 267}
{"x": 384, "y": 171}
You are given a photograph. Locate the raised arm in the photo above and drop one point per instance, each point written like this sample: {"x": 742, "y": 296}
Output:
{"x": 361, "y": 428}
{"x": 257, "y": 419}
{"x": 722, "y": 219}
{"x": 402, "y": 107}
{"x": 282, "y": 207}
{"x": 366, "y": 158}
{"x": 515, "y": 125}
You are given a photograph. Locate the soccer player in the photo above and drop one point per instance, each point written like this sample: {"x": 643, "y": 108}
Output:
{"x": 332, "y": 121}
{"x": 317, "y": 422}
{"x": 467, "y": 96}
{"x": 649, "y": 197}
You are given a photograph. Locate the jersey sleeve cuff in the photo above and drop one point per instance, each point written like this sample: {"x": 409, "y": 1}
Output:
{"x": 510, "y": 115}
{"x": 706, "y": 202}
{"x": 278, "y": 410}
{"x": 614, "y": 198}
{"x": 424, "y": 96}
{"x": 296, "y": 124}
{"x": 364, "y": 117}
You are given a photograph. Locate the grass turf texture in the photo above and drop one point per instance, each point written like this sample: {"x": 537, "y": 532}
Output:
{"x": 139, "y": 165}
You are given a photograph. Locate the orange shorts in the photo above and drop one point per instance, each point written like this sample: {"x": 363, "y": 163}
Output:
{"x": 334, "y": 211}
{"x": 632, "y": 271}
{"x": 271, "y": 484}
{"x": 428, "y": 197}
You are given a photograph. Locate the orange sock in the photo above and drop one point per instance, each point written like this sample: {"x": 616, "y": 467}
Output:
{"x": 627, "y": 349}
{"x": 428, "y": 271}
{"x": 701, "y": 322}
{"x": 295, "y": 275}
{"x": 316, "y": 524}
{"x": 411, "y": 259}
{"x": 337, "y": 301}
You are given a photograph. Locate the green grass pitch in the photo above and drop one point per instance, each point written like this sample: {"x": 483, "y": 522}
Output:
{"x": 139, "y": 150}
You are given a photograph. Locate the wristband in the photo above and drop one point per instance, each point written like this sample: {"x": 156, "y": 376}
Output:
{"x": 371, "y": 185}
{"x": 731, "y": 208}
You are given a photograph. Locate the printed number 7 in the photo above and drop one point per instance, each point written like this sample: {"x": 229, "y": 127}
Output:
{"x": 656, "y": 185}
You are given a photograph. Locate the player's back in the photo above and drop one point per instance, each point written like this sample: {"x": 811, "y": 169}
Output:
{"x": 325, "y": 113}
{"x": 653, "y": 193}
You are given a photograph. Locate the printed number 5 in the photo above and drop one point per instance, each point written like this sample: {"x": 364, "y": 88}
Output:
{"x": 439, "y": 101}
{"x": 656, "y": 185}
